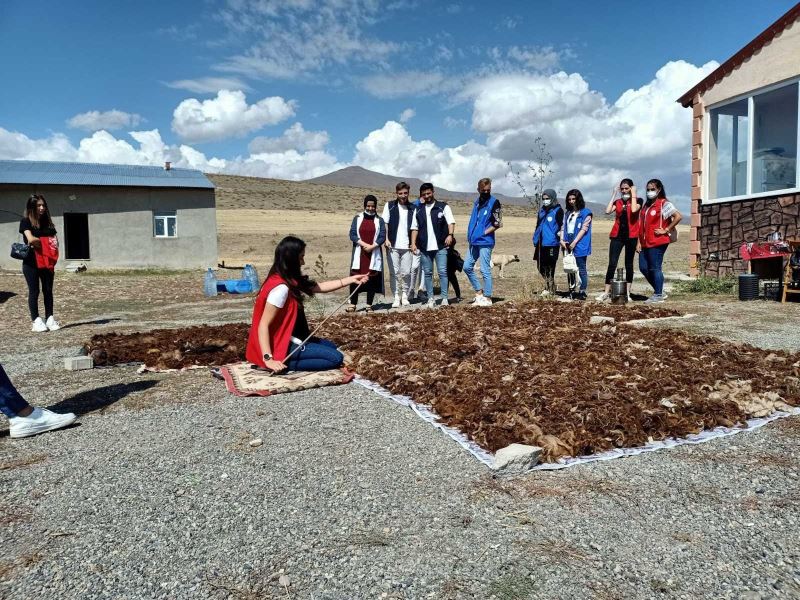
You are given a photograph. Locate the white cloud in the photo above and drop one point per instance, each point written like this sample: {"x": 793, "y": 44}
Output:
{"x": 407, "y": 115}
{"x": 294, "y": 138}
{"x": 453, "y": 123}
{"x": 208, "y": 85}
{"x": 539, "y": 59}
{"x": 111, "y": 119}
{"x": 297, "y": 38}
{"x": 407, "y": 83}
{"x": 150, "y": 149}
{"x": 227, "y": 115}
{"x": 392, "y": 150}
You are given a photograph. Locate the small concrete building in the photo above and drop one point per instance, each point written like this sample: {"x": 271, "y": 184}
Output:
{"x": 115, "y": 216}
{"x": 745, "y": 136}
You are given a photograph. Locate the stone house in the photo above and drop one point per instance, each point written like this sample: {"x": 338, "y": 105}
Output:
{"x": 745, "y": 136}
{"x": 115, "y": 216}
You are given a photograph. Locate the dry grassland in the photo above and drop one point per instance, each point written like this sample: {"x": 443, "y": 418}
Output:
{"x": 254, "y": 214}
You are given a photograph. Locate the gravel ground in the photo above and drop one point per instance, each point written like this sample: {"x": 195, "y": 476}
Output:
{"x": 158, "y": 494}
{"x": 352, "y": 496}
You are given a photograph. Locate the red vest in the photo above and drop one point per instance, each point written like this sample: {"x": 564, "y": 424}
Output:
{"x": 47, "y": 257}
{"x": 650, "y": 221}
{"x": 280, "y": 330}
{"x": 633, "y": 219}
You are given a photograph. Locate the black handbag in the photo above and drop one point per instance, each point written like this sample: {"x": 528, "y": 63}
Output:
{"x": 20, "y": 251}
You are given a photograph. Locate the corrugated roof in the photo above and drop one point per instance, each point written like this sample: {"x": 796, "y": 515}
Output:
{"x": 66, "y": 173}
{"x": 764, "y": 38}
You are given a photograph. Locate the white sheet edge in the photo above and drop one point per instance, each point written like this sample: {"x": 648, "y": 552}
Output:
{"x": 488, "y": 459}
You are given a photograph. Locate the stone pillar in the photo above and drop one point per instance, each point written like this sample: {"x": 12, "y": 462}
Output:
{"x": 695, "y": 246}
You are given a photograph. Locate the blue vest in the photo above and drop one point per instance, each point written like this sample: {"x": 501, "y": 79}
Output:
{"x": 479, "y": 221}
{"x": 440, "y": 227}
{"x": 548, "y": 226}
{"x": 584, "y": 247}
{"x": 394, "y": 220}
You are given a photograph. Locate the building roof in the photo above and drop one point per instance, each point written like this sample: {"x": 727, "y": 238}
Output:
{"x": 66, "y": 173}
{"x": 764, "y": 38}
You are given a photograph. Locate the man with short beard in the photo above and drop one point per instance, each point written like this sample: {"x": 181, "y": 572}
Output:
{"x": 431, "y": 234}
{"x": 486, "y": 218}
{"x": 398, "y": 215}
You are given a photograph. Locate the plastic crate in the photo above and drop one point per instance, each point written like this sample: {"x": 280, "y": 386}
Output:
{"x": 772, "y": 290}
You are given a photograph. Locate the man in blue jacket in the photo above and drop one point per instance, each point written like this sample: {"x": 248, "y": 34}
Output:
{"x": 486, "y": 218}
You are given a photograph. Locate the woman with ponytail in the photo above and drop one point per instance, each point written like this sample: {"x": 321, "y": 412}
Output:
{"x": 657, "y": 228}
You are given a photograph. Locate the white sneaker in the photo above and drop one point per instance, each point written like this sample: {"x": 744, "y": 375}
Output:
{"x": 38, "y": 325}
{"x": 604, "y": 297}
{"x": 52, "y": 324}
{"x": 396, "y": 302}
{"x": 444, "y": 302}
{"x": 477, "y": 299}
{"x": 39, "y": 421}
{"x": 484, "y": 301}
{"x": 431, "y": 303}
{"x": 404, "y": 301}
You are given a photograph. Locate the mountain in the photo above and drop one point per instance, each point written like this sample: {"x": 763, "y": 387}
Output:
{"x": 360, "y": 177}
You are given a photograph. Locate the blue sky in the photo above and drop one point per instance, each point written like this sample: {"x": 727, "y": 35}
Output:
{"x": 475, "y": 83}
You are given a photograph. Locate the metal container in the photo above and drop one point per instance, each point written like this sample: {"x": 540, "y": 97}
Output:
{"x": 619, "y": 292}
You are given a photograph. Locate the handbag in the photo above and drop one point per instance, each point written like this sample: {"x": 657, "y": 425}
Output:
{"x": 20, "y": 251}
{"x": 570, "y": 264}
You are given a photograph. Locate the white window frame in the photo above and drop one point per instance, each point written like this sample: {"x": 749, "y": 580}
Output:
{"x": 750, "y": 141}
{"x": 165, "y": 215}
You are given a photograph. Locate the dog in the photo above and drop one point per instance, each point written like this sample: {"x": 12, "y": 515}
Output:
{"x": 502, "y": 260}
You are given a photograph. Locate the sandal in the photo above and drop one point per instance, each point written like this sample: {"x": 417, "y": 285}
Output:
{"x": 350, "y": 308}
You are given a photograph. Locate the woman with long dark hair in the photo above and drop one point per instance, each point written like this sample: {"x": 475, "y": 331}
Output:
{"x": 624, "y": 234}
{"x": 279, "y": 323}
{"x": 576, "y": 238}
{"x": 659, "y": 219}
{"x": 368, "y": 234}
{"x": 39, "y": 266}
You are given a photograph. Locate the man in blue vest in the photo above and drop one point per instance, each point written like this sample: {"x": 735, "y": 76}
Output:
{"x": 486, "y": 218}
{"x": 431, "y": 234}
{"x": 397, "y": 215}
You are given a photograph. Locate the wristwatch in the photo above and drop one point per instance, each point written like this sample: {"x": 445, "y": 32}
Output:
{"x": 267, "y": 357}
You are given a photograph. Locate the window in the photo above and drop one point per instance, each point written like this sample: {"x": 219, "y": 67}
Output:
{"x": 728, "y": 150}
{"x": 775, "y": 140}
{"x": 165, "y": 224}
{"x": 752, "y": 144}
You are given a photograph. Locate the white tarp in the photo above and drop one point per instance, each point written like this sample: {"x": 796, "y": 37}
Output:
{"x": 488, "y": 459}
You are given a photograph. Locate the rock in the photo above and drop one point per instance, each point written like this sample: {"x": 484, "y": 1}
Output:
{"x": 78, "y": 363}
{"x": 600, "y": 320}
{"x": 517, "y": 457}
{"x": 256, "y": 442}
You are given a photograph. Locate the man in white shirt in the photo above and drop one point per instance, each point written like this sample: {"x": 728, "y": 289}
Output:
{"x": 397, "y": 215}
{"x": 432, "y": 227}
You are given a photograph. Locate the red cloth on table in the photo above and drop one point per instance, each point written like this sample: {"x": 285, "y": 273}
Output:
{"x": 47, "y": 256}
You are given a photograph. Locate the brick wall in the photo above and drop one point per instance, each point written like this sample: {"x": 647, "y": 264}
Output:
{"x": 697, "y": 174}
{"x": 723, "y": 228}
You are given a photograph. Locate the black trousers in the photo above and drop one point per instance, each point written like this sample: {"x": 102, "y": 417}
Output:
{"x": 34, "y": 277}
{"x": 617, "y": 245}
{"x": 452, "y": 280}
{"x": 354, "y": 299}
{"x": 548, "y": 260}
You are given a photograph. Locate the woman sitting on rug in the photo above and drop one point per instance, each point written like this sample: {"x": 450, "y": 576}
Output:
{"x": 279, "y": 322}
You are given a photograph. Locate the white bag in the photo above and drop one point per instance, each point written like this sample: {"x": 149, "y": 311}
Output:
{"x": 571, "y": 268}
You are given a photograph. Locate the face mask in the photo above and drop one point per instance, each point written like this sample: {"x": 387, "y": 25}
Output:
{"x": 626, "y": 196}
{"x": 546, "y": 201}
{"x": 486, "y": 195}
{"x": 651, "y": 194}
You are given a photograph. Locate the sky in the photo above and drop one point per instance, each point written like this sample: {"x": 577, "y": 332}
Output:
{"x": 447, "y": 92}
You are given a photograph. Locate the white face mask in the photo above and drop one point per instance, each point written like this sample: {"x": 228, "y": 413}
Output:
{"x": 546, "y": 201}
{"x": 651, "y": 194}
{"x": 626, "y": 196}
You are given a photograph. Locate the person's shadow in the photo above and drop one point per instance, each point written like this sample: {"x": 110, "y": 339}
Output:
{"x": 6, "y": 296}
{"x": 95, "y": 322}
{"x": 100, "y": 398}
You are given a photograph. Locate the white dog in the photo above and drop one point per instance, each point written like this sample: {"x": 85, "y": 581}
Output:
{"x": 502, "y": 260}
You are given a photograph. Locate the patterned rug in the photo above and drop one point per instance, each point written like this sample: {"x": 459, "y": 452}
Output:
{"x": 243, "y": 380}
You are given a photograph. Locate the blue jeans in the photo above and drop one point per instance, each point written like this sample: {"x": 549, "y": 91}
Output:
{"x": 650, "y": 261}
{"x": 11, "y": 402}
{"x": 426, "y": 259}
{"x": 315, "y": 356}
{"x": 484, "y": 254}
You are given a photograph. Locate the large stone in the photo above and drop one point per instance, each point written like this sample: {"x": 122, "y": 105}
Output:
{"x": 517, "y": 458}
{"x": 600, "y": 320}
